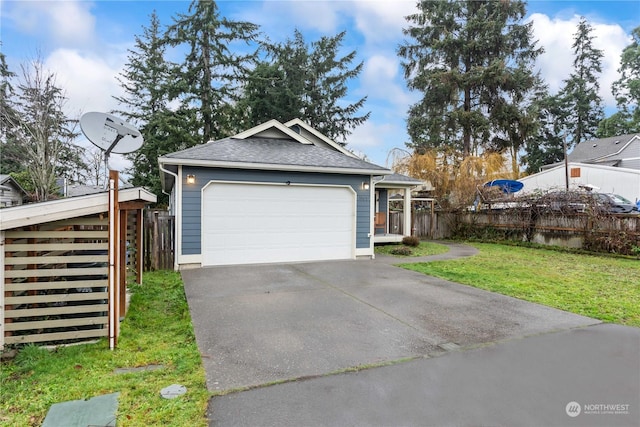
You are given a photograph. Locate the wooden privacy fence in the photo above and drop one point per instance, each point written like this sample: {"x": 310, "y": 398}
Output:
{"x": 158, "y": 240}
{"x": 573, "y": 230}
{"x": 425, "y": 224}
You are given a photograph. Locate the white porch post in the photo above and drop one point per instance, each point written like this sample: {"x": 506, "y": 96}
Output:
{"x": 408, "y": 226}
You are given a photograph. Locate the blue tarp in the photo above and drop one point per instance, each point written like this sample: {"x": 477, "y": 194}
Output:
{"x": 506, "y": 185}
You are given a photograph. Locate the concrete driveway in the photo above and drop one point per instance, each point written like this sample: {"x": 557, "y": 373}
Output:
{"x": 262, "y": 324}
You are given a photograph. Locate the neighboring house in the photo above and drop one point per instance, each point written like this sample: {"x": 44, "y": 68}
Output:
{"x": 617, "y": 151}
{"x": 606, "y": 179}
{"x": 274, "y": 193}
{"x": 11, "y": 193}
{"x": 610, "y": 164}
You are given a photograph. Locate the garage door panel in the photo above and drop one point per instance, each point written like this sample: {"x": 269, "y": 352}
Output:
{"x": 258, "y": 223}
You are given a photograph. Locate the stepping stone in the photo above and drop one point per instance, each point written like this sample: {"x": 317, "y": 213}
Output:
{"x": 97, "y": 411}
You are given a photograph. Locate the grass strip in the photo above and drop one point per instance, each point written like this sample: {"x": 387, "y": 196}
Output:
{"x": 424, "y": 249}
{"x": 156, "y": 331}
{"x": 600, "y": 287}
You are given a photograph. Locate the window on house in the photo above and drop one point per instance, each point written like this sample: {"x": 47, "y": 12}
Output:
{"x": 575, "y": 172}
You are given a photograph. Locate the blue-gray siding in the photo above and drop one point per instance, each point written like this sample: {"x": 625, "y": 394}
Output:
{"x": 191, "y": 203}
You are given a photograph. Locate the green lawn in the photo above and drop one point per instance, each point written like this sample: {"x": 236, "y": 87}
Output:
{"x": 157, "y": 330}
{"x": 425, "y": 249}
{"x": 601, "y": 287}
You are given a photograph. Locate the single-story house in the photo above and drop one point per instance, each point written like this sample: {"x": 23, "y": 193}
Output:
{"x": 617, "y": 151}
{"x": 606, "y": 179}
{"x": 274, "y": 193}
{"x": 11, "y": 193}
{"x": 612, "y": 165}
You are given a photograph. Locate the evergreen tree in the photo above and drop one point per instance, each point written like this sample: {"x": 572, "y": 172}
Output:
{"x": 305, "y": 81}
{"x": 581, "y": 101}
{"x": 9, "y": 150}
{"x": 267, "y": 96}
{"x": 627, "y": 90}
{"x": 146, "y": 81}
{"x": 547, "y": 145}
{"x": 207, "y": 81}
{"x": 472, "y": 62}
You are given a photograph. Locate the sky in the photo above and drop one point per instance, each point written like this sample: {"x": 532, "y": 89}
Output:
{"x": 85, "y": 43}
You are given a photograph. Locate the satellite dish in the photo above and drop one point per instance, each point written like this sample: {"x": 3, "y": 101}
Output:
{"x": 110, "y": 133}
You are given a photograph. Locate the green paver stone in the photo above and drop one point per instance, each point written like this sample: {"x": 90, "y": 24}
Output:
{"x": 99, "y": 411}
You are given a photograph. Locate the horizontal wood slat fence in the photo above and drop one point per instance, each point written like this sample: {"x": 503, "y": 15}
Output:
{"x": 56, "y": 281}
{"x": 56, "y": 278}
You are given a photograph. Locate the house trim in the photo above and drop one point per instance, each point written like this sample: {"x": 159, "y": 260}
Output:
{"x": 54, "y": 210}
{"x": 270, "y": 166}
{"x": 273, "y": 124}
{"x": 624, "y": 147}
{"x": 320, "y": 136}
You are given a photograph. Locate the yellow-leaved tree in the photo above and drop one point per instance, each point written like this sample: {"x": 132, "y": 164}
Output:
{"x": 455, "y": 179}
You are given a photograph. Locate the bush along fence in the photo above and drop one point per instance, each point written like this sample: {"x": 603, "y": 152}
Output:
{"x": 597, "y": 232}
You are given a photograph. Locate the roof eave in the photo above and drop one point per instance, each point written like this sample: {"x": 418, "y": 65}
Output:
{"x": 272, "y": 166}
{"x": 55, "y": 210}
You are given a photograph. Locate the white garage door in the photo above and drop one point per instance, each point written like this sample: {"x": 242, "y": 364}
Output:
{"x": 262, "y": 223}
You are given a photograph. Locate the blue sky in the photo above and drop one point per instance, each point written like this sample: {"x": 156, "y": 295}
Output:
{"x": 85, "y": 43}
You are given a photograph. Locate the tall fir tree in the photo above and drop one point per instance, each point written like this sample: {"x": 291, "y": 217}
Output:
{"x": 582, "y": 103}
{"x": 146, "y": 81}
{"x": 208, "y": 79}
{"x": 627, "y": 89}
{"x": 9, "y": 150}
{"x": 306, "y": 81}
{"x": 472, "y": 62}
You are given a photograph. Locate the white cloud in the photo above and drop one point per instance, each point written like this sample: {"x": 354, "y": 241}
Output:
{"x": 556, "y": 63}
{"x": 88, "y": 80}
{"x": 376, "y": 139}
{"x": 380, "y": 80}
{"x": 68, "y": 23}
{"x": 382, "y": 21}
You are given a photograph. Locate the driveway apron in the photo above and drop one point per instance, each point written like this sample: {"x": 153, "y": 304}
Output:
{"x": 262, "y": 324}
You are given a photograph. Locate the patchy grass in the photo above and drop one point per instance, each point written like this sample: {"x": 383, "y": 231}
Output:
{"x": 601, "y": 287}
{"x": 157, "y": 330}
{"x": 424, "y": 249}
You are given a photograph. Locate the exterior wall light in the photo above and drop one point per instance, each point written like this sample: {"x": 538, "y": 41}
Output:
{"x": 365, "y": 186}
{"x": 191, "y": 179}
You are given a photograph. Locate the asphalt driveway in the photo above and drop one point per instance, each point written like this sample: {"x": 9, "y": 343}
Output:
{"x": 262, "y": 324}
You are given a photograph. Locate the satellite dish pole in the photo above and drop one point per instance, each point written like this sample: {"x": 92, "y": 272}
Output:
{"x": 112, "y": 135}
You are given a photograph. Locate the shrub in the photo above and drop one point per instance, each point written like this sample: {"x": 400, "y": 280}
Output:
{"x": 412, "y": 241}
{"x": 402, "y": 250}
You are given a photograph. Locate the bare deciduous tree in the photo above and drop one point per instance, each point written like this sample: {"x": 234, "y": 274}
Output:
{"x": 42, "y": 131}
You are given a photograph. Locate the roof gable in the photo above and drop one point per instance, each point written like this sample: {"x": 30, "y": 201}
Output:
{"x": 8, "y": 180}
{"x": 599, "y": 150}
{"x": 316, "y": 137}
{"x": 272, "y": 129}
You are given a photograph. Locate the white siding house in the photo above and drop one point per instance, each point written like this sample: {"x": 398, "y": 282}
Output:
{"x": 610, "y": 164}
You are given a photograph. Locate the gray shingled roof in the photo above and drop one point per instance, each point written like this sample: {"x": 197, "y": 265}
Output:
{"x": 588, "y": 151}
{"x": 271, "y": 151}
{"x": 398, "y": 178}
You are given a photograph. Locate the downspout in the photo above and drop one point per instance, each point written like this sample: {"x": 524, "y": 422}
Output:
{"x": 178, "y": 222}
